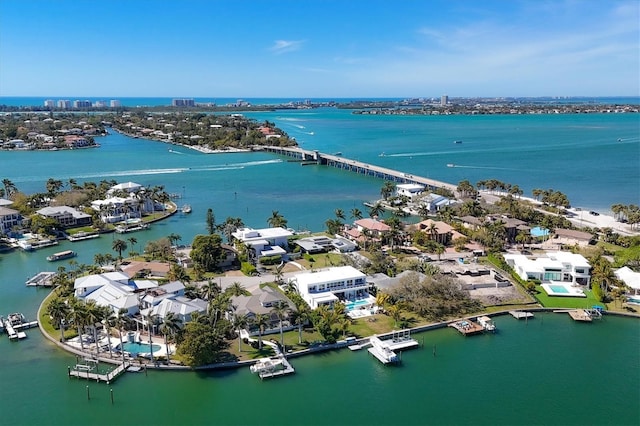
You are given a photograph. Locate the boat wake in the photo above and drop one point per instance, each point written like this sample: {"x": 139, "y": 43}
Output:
{"x": 176, "y": 152}
{"x": 116, "y": 173}
{"x": 459, "y": 166}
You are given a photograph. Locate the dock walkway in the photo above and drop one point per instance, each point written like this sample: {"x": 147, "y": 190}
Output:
{"x": 521, "y": 314}
{"x": 467, "y": 327}
{"x": 44, "y": 279}
{"x": 83, "y": 371}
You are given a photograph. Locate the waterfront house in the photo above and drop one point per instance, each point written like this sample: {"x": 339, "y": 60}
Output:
{"x": 433, "y": 202}
{"x": 9, "y": 218}
{"x": 327, "y": 286}
{"x": 437, "y": 231}
{"x": 323, "y": 244}
{"x": 146, "y": 269}
{"x": 563, "y": 267}
{"x": 67, "y": 217}
{"x": 265, "y": 242}
{"x": 630, "y": 278}
{"x": 409, "y": 190}
{"x": 260, "y": 301}
{"x": 182, "y": 307}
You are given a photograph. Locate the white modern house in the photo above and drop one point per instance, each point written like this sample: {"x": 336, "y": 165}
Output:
{"x": 116, "y": 208}
{"x": 112, "y": 289}
{"x": 630, "y": 278}
{"x": 265, "y": 242}
{"x": 8, "y": 219}
{"x": 327, "y": 286}
{"x": 410, "y": 190}
{"x": 559, "y": 267}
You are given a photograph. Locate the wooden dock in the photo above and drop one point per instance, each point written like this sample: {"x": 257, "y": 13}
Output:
{"x": 44, "y": 279}
{"x": 83, "y": 371}
{"x": 467, "y": 327}
{"x": 288, "y": 369}
{"x": 521, "y": 314}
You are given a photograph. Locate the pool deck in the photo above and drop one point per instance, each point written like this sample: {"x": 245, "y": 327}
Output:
{"x": 467, "y": 327}
{"x": 570, "y": 290}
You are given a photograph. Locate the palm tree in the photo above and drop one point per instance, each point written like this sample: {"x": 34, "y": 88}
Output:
{"x": 173, "y": 238}
{"x": 79, "y": 316}
{"x": 236, "y": 289}
{"x": 356, "y": 214}
{"x": 133, "y": 241}
{"x": 376, "y": 210}
{"x": 339, "y": 214}
{"x": 109, "y": 320}
{"x": 209, "y": 290}
{"x": 281, "y": 309}
{"x": 94, "y": 316}
{"x": 277, "y": 220}
{"x": 387, "y": 189}
{"x": 151, "y": 320}
{"x": 343, "y": 325}
{"x": 170, "y": 325}
{"x": 121, "y": 321}
{"x": 300, "y": 317}
{"x": 9, "y": 187}
{"x": 119, "y": 246}
{"x": 261, "y": 321}
{"x": 240, "y": 322}
{"x": 59, "y": 310}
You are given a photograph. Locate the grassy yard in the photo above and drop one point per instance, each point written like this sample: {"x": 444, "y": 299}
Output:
{"x": 566, "y": 302}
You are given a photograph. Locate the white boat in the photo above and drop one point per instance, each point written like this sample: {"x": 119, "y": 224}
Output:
{"x": 451, "y": 165}
{"x": 266, "y": 365}
{"x": 458, "y": 141}
{"x": 15, "y": 319}
{"x": 67, "y": 254}
{"x": 486, "y": 323}
{"x": 186, "y": 208}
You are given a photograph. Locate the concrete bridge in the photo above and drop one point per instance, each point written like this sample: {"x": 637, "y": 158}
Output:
{"x": 320, "y": 158}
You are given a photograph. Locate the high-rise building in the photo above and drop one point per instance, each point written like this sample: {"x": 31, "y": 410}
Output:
{"x": 81, "y": 104}
{"x": 444, "y": 100}
{"x": 114, "y": 103}
{"x": 64, "y": 104}
{"x": 49, "y": 103}
{"x": 183, "y": 103}
{"x": 99, "y": 104}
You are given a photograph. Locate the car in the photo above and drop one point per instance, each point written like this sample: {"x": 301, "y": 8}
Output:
{"x": 594, "y": 213}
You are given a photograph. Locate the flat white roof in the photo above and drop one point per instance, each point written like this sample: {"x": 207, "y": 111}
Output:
{"x": 339, "y": 273}
{"x": 246, "y": 234}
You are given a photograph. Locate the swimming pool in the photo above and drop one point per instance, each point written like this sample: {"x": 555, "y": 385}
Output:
{"x": 139, "y": 348}
{"x": 558, "y": 288}
{"x": 357, "y": 304}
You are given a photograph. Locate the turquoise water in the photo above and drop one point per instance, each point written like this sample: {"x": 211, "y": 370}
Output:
{"x": 501, "y": 379}
{"x": 352, "y": 305}
{"x": 139, "y": 348}
{"x": 539, "y": 232}
{"x": 558, "y": 288}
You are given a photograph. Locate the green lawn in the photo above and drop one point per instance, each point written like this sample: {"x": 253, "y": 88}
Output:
{"x": 566, "y": 302}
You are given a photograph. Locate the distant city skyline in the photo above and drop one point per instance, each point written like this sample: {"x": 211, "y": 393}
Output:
{"x": 319, "y": 49}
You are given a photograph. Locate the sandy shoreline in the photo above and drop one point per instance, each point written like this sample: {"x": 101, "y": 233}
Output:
{"x": 206, "y": 150}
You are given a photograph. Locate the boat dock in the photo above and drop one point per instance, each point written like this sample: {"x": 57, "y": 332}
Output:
{"x": 467, "y": 327}
{"x": 521, "y": 314}
{"x": 44, "y": 279}
{"x": 14, "y": 324}
{"x": 277, "y": 366}
{"x": 337, "y": 161}
{"x": 84, "y": 371}
{"x": 81, "y": 236}
{"x": 384, "y": 350}
{"x": 585, "y": 315}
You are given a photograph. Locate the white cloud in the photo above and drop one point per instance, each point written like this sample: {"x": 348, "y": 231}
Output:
{"x": 285, "y": 46}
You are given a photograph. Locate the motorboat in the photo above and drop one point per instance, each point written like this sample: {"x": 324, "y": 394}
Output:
{"x": 486, "y": 323}
{"x": 186, "y": 208}
{"x": 67, "y": 254}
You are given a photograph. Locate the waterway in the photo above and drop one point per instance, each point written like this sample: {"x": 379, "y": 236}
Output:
{"x": 550, "y": 371}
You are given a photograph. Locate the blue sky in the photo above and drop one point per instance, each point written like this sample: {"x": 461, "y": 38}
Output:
{"x": 319, "y": 48}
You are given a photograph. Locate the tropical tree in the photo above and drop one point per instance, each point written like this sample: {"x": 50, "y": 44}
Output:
{"x": 79, "y": 317}
{"x": 9, "y": 188}
{"x": 178, "y": 273}
{"x": 376, "y": 210}
{"x": 95, "y": 314}
{"x": 169, "y": 327}
{"x": 209, "y": 290}
{"x": 151, "y": 320}
{"x": 281, "y": 310}
{"x": 388, "y": 188}
{"x": 240, "y": 322}
{"x": 277, "y": 220}
{"x": 173, "y": 238}
{"x": 207, "y": 251}
{"x": 236, "y": 289}
{"x": 119, "y": 246}
{"x": 59, "y": 311}
{"x": 339, "y": 214}
{"x": 356, "y": 213}
{"x": 121, "y": 321}
{"x": 261, "y": 321}
{"x": 300, "y": 316}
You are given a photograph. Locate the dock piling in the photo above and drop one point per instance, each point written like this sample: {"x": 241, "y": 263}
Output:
{"x": 88, "y": 394}
{"x": 111, "y": 392}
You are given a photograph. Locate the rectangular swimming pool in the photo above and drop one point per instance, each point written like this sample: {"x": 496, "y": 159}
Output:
{"x": 558, "y": 288}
